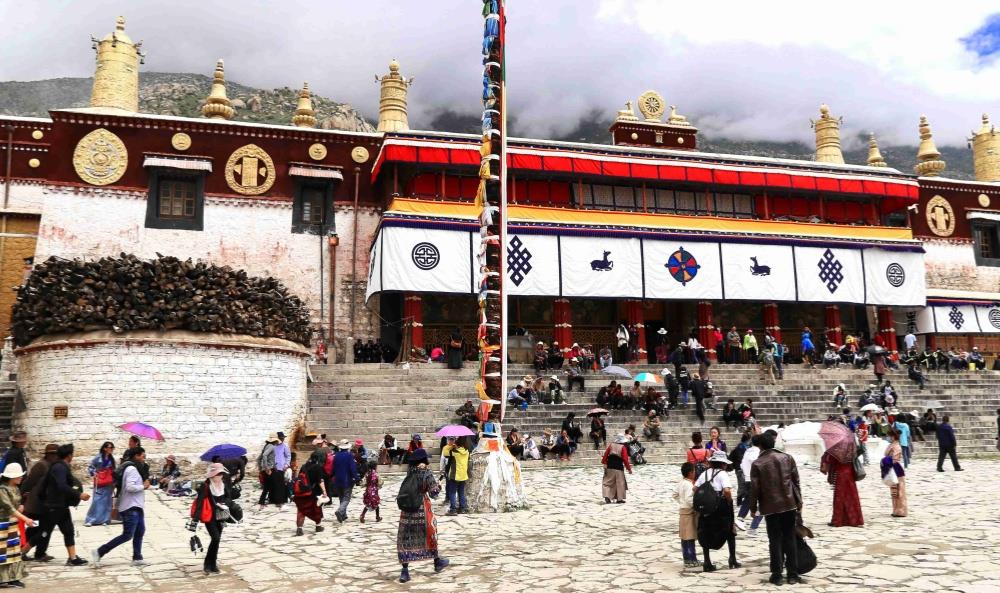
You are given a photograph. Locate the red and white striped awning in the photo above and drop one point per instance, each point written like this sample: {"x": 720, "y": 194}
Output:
{"x": 315, "y": 172}
{"x": 177, "y": 163}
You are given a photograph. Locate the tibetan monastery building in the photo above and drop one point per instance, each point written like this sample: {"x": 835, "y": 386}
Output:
{"x": 374, "y": 230}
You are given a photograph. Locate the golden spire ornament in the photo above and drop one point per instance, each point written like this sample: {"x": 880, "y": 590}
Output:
{"x": 305, "y": 115}
{"x": 827, "y": 129}
{"x": 218, "y": 105}
{"x": 874, "y": 156}
{"x": 929, "y": 163}
{"x": 392, "y": 100}
{"x": 116, "y": 77}
{"x": 986, "y": 152}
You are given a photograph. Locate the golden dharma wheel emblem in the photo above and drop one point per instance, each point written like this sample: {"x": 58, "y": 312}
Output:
{"x": 940, "y": 217}
{"x": 317, "y": 152}
{"x": 180, "y": 141}
{"x": 250, "y": 170}
{"x": 651, "y": 105}
{"x": 984, "y": 200}
{"x": 38, "y": 134}
{"x": 359, "y": 154}
{"x": 100, "y": 157}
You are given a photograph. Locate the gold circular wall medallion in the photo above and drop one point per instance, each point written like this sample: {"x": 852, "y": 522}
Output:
{"x": 250, "y": 171}
{"x": 34, "y": 163}
{"x": 984, "y": 200}
{"x": 360, "y": 154}
{"x": 100, "y": 157}
{"x": 38, "y": 134}
{"x": 180, "y": 141}
{"x": 317, "y": 152}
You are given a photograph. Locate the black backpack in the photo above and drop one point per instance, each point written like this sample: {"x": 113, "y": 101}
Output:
{"x": 410, "y": 497}
{"x": 706, "y": 499}
{"x": 119, "y": 475}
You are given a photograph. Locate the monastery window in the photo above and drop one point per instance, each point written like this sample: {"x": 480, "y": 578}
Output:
{"x": 986, "y": 237}
{"x": 312, "y": 210}
{"x": 176, "y": 199}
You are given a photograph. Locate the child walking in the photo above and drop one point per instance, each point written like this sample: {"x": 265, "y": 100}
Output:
{"x": 684, "y": 495}
{"x": 371, "y": 497}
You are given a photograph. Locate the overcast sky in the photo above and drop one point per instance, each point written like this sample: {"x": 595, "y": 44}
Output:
{"x": 753, "y": 70}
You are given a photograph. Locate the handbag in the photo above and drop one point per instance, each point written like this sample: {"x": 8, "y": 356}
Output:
{"x": 859, "y": 470}
{"x": 806, "y": 558}
{"x": 104, "y": 477}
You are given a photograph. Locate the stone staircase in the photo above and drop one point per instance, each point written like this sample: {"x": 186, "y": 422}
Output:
{"x": 367, "y": 400}
{"x": 8, "y": 392}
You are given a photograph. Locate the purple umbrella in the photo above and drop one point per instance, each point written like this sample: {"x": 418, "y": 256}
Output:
{"x": 143, "y": 430}
{"x": 454, "y": 430}
{"x": 223, "y": 451}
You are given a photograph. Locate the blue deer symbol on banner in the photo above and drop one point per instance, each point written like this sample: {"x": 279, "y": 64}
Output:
{"x": 602, "y": 265}
{"x": 759, "y": 270}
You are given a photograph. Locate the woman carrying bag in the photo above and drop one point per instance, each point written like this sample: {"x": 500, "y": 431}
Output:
{"x": 102, "y": 468}
{"x": 213, "y": 507}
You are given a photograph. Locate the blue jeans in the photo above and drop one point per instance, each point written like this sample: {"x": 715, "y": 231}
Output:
{"x": 133, "y": 528}
{"x": 456, "y": 495}
{"x": 688, "y": 550}
{"x": 906, "y": 455}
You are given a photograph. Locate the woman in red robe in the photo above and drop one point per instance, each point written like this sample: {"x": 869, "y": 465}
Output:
{"x": 846, "y": 503}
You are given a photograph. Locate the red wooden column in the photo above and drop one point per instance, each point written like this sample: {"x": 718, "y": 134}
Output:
{"x": 887, "y": 328}
{"x": 413, "y": 313}
{"x": 931, "y": 341}
{"x": 833, "y": 331}
{"x": 635, "y": 317}
{"x": 562, "y": 317}
{"x": 771, "y": 322}
{"x": 705, "y": 327}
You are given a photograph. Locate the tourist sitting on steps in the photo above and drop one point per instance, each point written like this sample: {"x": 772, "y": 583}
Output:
{"x": 541, "y": 358}
{"x": 515, "y": 444}
{"x": 651, "y": 426}
{"x": 547, "y": 444}
{"x": 554, "y": 394}
{"x": 730, "y": 416}
{"x": 598, "y": 433}
{"x": 575, "y": 374}
{"x": 555, "y": 356}
{"x": 565, "y": 446}
{"x": 606, "y": 358}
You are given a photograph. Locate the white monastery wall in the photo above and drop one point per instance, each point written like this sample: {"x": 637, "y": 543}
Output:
{"x": 952, "y": 265}
{"x": 199, "y": 390}
{"x": 366, "y": 321}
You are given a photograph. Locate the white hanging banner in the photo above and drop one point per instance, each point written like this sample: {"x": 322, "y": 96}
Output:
{"x": 925, "y": 321}
{"x": 830, "y": 275}
{"x": 894, "y": 278}
{"x": 601, "y": 267}
{"x": 989, "y": 319}
{"x": 955, "y": 319}
{"x": 682, "y": 270}
{"x": 532, "y": 265}
{"x": 374, "y": 268}
{"x": 757, "y": 272}
{"x": 426, "y": 260}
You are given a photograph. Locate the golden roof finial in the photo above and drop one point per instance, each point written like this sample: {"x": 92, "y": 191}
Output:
{"x": 929, "y": 163}
{"x": 218, "y": 105}
{"x": 874, "y": 156}
{"x": 116, "y": 77}
{"x": 827, "y": 129}
{"x": 986, "y": 152}
{"x": 626, "y": 114}
{"x": 305, "y": 115}
{"x": 392, "y": 100}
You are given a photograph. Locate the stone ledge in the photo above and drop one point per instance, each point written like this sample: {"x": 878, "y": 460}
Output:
{"x": 169, "y": 337}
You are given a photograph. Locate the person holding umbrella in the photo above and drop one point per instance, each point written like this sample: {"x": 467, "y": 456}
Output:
{"x": 838, "y": 465}
{"x": 457, "y": 473}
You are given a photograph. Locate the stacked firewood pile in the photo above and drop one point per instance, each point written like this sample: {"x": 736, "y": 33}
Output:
{"x": 127, "y": 293}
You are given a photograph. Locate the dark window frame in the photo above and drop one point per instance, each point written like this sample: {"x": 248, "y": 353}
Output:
{"x": 327, "y": 186}
{"x": 154, "y": 220}
{"x": 992, "y": 230}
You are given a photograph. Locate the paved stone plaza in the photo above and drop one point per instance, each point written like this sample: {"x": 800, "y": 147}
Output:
{"x": 569, "y": 541}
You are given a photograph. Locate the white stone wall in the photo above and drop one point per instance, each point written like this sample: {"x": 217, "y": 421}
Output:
{"x": 251, "y": 234}
{"x": 199, "y": 390}
{"x": 952, "y": 265}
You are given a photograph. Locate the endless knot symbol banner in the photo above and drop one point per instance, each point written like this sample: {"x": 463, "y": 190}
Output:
{"x": 425, "y": 256}
{"x": 895, "y": 274}
{"x": 956, "y": 318}
{"x": 830, "y": 271}
{"x": 518, "y": 261}
{"x": 994, "y": 317}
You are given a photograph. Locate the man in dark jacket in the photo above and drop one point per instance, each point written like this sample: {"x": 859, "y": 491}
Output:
{"x": 946, "y": 444}
{"x": 31, "y": 487}
{"x": 60, "y": 491}
{"x": 774, "y": 487}
{"x": 16, "y": 452}
{"x": 345, "y": 476}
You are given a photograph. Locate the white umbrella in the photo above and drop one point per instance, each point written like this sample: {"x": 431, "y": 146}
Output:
{"x": 871, "y": 408}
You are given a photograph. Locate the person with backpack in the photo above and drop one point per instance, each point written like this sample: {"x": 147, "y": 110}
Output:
{"x": 31, "y": 487}
{"x": 697, "y": 454}
{"x": 307, "y": 486}
{"x": 713, "y": 500}
{"x": 345, "y": 477}
{"x": 775, "y": 493}
{"x": 417, "y": 537}
{"x": 457, "y": 474}
{"x": 615, "y": 461}
{"x": 59, "y": 493}
{"x": 102, "y": 469}
{"x": 131, "y": 509}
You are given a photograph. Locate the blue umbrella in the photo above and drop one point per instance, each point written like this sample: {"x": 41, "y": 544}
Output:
{"x": 618, "y": 371}
{"x": 224, "y": 451}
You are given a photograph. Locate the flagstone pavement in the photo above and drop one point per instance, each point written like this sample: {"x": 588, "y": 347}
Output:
{"x": 569, "y": 541}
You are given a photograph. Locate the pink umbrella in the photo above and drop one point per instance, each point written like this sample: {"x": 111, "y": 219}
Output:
{"x": 143, "y": 430}
{"x": 454, "y": 430}
{"x": 838, "y": 440}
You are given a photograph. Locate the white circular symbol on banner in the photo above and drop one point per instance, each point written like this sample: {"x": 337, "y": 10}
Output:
{"x": 895, "y": 275}
{"x": 425, "y": 256}
{"x": 994, "y": 318}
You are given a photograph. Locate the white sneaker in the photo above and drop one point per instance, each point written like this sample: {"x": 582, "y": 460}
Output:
{"x": 95, "y": 558}
{"x": 740, "y": 524}
{"x": 140, "y": 563}
{"x": 752, "y": 532}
